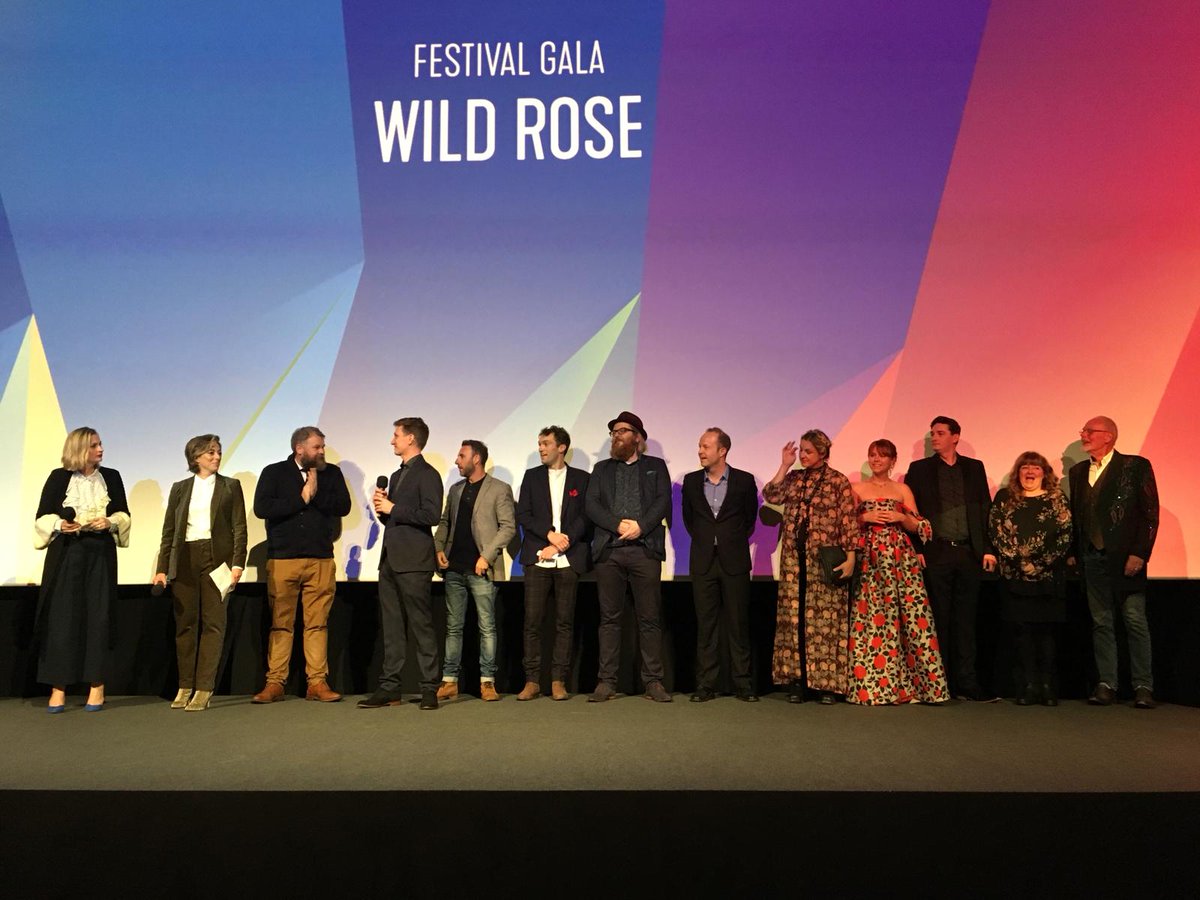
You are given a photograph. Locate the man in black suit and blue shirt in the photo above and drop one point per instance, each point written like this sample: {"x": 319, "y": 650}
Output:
{"x": 628, "y": 498}
{"x": 952, "y": 492}
{"x": 554, "y": 553}
{"x": 409, "y": 509}
{"x": 720, "y": 507}
{"x": 1114, "y": 513}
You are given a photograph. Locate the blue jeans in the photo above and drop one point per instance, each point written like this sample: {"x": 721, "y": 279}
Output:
{"x": 1104, "y": 599}
{"x": 483, "y": 592}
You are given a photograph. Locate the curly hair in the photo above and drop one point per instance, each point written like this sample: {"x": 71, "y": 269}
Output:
{"x": 820, "y": 441}
{"x": 1030, "y": 458}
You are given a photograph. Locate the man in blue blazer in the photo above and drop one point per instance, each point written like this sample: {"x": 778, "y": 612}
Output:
{"x": 554, "y": 553}
{"x": 720, "y": 507}
{"x": 408, "y": 509}
{"x": 628, "y": 499}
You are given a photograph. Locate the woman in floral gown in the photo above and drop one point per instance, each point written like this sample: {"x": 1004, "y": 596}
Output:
{"x": 1030, "y": 525}
{"x": 818, "y": 511}
{"x": 894, "y": 655}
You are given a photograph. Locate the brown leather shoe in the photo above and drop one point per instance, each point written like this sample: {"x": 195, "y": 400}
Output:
{"x": 558, "y": 690}
{"x": 270, "y": 693}
{"x": 319, "y": 690}
{"x": 448, "y": 690}
{"x": 487, "y": 691}
{"x": 530, "y": 691}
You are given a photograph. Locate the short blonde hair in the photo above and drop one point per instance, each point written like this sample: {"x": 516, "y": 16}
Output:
{"x": 76, "y": 447}
{"x": 820, "y": 441}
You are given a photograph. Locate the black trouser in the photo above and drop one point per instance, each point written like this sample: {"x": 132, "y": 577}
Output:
{"x": 1035, "y": 649}
{"x": 405, "y": 603}
{"x": 74, "y": 616}
{"x": 643, "y": 575}
{"x": 714, "y": 593}
{"x": 539, "y": 582}
{"x": 952, "y": 578}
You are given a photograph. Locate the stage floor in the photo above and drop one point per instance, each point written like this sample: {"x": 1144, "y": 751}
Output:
{"x": 630, "y": 744}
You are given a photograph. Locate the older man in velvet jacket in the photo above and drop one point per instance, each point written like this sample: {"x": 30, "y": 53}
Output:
{"x": 1114, "y": 506}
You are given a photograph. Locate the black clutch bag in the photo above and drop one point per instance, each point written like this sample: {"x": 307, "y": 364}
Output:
{"x": 831, "y": 558}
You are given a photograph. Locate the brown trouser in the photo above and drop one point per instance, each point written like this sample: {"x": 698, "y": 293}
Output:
{"x": 313, "y": 581}
{"x": 199, "y": 617}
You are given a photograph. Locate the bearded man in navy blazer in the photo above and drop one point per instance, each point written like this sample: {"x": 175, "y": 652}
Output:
{"x": 554, "y": 553}
{"x": 720, "y": 507}
{"x": 628, "y": 499}
{"x": 409, "y": 509}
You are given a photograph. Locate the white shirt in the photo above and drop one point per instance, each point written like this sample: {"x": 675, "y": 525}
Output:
{"x": 199, "y": 517}
{"x": 88, "y": 496}
{"x": 558, "y": 485}
{"x": 1096, "y": 469}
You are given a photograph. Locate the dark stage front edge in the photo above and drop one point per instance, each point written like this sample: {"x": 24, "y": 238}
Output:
{"x": 144, "y": 658}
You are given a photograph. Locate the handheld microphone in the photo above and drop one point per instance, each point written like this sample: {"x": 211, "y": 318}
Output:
{"x": 156, "y": 590}
{"x": 68, "y": 514}
{"x": 381, "y": 482}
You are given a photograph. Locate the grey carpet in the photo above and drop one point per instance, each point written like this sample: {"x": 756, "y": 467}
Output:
{"x": 137, "y": 743}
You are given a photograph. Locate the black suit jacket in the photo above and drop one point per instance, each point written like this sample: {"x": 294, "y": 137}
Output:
{"x": 728, "y": 533}
{"x": 656, "y": 505}
{"x": 407, "y": 538}
{"x": 228, "y": 524}
{"x": 922, "y": 480}
{"x": 1128, "y": 512}
{"x": 536, "y": 516}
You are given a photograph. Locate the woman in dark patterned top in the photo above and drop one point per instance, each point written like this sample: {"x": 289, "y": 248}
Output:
{"x": 1030, "y": 525}
{"x": 812, "y": 617}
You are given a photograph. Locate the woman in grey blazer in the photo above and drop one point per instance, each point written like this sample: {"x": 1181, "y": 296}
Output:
{"x": 204, "y": 532}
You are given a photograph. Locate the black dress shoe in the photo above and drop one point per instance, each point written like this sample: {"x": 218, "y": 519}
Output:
{"x": 748, "y": 697}
{"x": 973, "y": 694}
{"x": 1102, "y": 695}
{"x": 827, "y": 698}
{"x": 1028, "y": 697}
{"x": 429, "y": 700}
{"x": 380, "y": 699}
{"x": 703, "y": 696}
{"x": 796, "y": 692}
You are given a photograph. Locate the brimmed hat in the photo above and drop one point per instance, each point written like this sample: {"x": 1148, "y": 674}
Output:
{"x": 630, "y": 419}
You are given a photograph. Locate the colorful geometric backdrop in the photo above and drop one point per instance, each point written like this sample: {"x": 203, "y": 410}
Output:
{"x": 852, "y": 216}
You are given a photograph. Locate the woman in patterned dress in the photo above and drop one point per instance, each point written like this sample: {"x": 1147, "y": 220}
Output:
{"x": 818, "y": 511}
{"x": 894, "y": 654}
{"x": 1030, "y": 525}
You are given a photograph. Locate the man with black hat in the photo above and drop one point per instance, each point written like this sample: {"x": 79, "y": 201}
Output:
{"x": 628, "y": 498}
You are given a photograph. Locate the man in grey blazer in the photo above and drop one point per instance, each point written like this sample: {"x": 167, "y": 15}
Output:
{"x": 478, "y": 522}
{"x": 408, "y": 510}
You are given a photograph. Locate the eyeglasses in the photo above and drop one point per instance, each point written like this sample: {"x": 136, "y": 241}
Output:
{"x": 1087, "y": 431}
{"x": 617, "y": 431}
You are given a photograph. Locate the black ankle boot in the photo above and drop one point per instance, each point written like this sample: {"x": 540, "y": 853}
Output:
{"x": 1028, "y": 697}
{"x": 1048, "y": 698}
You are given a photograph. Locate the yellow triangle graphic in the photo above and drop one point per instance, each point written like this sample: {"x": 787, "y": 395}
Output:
{"x": 29, "y": 407}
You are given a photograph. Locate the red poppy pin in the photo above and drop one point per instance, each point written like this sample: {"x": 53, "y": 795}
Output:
{"x": 573, "y": 492}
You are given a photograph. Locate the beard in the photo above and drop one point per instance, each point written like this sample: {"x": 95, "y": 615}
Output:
{"x": 622, "y": 451}
{"x": 313, "y": 462}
